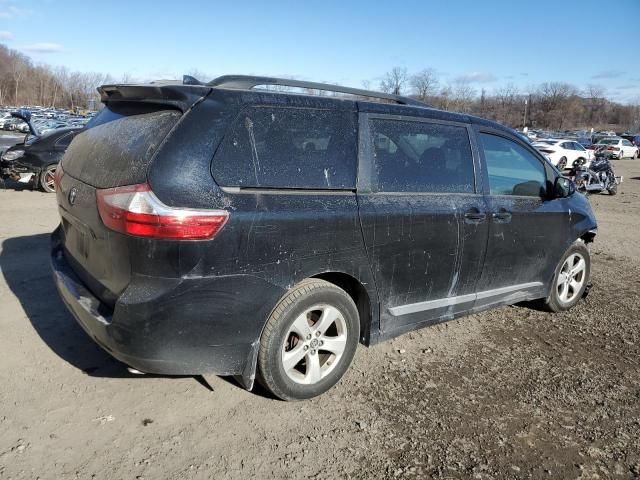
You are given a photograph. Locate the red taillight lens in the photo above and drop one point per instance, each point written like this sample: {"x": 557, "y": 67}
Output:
{"x": 135, "y": 210}
{"x": 57, "y": 177}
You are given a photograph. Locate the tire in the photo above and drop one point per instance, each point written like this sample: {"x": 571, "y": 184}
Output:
{"x": 562, "y": 163}
{"x": 636, "y": 155}
{"x": 613, "y": 186}
{"x": 564, "y": 294}
{"x": 46, "y": 178}
{"x": 288, "y": 333}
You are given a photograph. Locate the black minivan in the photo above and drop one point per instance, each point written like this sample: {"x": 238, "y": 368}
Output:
{"x": 228, "y": 229}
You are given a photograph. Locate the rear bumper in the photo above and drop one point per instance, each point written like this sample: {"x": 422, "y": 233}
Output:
{"x": 174, "y": 331}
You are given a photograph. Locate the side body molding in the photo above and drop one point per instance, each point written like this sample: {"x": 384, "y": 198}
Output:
{"x": 472, "y": 297}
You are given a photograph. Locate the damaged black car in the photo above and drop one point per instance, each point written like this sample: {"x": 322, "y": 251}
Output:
{"x": 34, "y": 161}
{"x": 231, "y": 229}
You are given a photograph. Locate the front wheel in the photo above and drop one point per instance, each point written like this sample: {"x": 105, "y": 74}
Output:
{"x": 570, "y": 279}
{"x": 579, "y": 162}
{"x": 47, "y": 178}
{"x": 308, "y": 341}
{"x": 562, "y": 163}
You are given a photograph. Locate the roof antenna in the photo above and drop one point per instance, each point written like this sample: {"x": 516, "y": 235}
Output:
{"x": 189, "y": 80}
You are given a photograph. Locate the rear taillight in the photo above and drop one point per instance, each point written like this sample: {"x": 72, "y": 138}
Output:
{"x": 57, "y": 177}
{"x": 613, "y": 148}
{"x": 135, "y": 210}
{"x": 546, "y": 150}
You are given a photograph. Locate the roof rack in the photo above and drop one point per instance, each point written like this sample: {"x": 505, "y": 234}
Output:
{"x": 247, "y": 82}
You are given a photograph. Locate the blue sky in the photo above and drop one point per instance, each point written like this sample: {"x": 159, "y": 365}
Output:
{"x": 489, "y": 43}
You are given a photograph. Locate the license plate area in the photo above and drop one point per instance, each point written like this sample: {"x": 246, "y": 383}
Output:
{"x": 77, "y": 236}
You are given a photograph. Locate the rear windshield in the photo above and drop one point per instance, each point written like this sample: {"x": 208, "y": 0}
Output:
{"x": 118, "y": 144}
{"x": 608, "y": 142}
{"x": 275, "y": 147}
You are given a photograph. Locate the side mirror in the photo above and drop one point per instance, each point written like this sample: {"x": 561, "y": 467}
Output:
{"x": 564, "y": 187}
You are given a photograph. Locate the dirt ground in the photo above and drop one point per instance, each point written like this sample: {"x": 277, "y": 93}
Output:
{"x": 512, "y": 393}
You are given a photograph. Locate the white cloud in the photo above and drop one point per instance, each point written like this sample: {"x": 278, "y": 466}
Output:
{"x": 476, "y": 77}
{"x": 44, "y": 47}
{"x": 11, "y": 11}
{"x": 4, "y": 35}
{"x": 608, "y": 74}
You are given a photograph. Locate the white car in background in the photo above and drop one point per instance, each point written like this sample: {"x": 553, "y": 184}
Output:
{"x": 618, "y": 147}
{"x": 562, "y": 153}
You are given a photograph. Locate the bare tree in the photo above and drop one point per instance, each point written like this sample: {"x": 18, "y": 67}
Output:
{"x": 597, "y": 102}
{"x": 425, "y": 83}
{"x": 506, "y": 99}
{"x": 463, "y": 97}
{"x": 19, "y": 65}
{"x": 394, "y": 81}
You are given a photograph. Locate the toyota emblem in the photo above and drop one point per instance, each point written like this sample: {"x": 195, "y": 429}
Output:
{"x": 72, "y": 195}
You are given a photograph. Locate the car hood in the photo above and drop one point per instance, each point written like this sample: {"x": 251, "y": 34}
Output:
{"x": 25, "y": 116}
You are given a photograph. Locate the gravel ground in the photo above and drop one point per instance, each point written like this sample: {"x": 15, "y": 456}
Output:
{"x": 511, "y": 393}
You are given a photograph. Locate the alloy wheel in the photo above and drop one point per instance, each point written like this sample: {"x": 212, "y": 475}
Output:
{"x": 571, "y": 277}
{"x": 314, "y": 344}
{"x": 48, "y": 182}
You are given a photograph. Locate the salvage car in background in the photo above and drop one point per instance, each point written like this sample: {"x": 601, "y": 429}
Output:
{"x": 618, "y": 147}
{"x": 563, "y": 153}
{"x": 35, "y": 160}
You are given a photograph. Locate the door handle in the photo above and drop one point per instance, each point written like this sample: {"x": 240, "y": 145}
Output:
{"x": 501, "y": 216}
{"x": 474, "y": 216}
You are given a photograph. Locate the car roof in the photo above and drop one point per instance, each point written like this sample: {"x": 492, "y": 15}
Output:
{"x": 557, "y": 140}
{"x": 389, "y": 104}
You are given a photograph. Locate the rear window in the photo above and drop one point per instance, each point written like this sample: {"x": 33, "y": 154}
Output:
{"x": 273, "y": 147}
{"x": 118, "y": 144}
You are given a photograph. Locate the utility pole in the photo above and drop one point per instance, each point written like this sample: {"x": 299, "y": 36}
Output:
{"x": 524, "y": 120}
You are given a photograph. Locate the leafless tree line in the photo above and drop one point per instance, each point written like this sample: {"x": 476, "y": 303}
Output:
{"x": 24, "y": 83}
{"x": 550, "y": 105}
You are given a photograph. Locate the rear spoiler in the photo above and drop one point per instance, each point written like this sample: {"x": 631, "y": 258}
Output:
{"x": 181, "y": 97}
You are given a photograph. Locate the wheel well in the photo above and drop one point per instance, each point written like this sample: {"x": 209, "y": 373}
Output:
{"x": 588, "y": 237}
{"x": 359, "y": 295}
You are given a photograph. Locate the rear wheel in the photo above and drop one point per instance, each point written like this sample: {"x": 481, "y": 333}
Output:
{"x": 613, "y": 186}
{"x": 47, "y": 178}
{"x": 309, "y": 341}
{"x": 562, "y": 163}
{"x": 571, "y": 277}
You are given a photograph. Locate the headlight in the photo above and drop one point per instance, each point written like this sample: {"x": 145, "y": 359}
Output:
{"x": 13, "y": 155}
